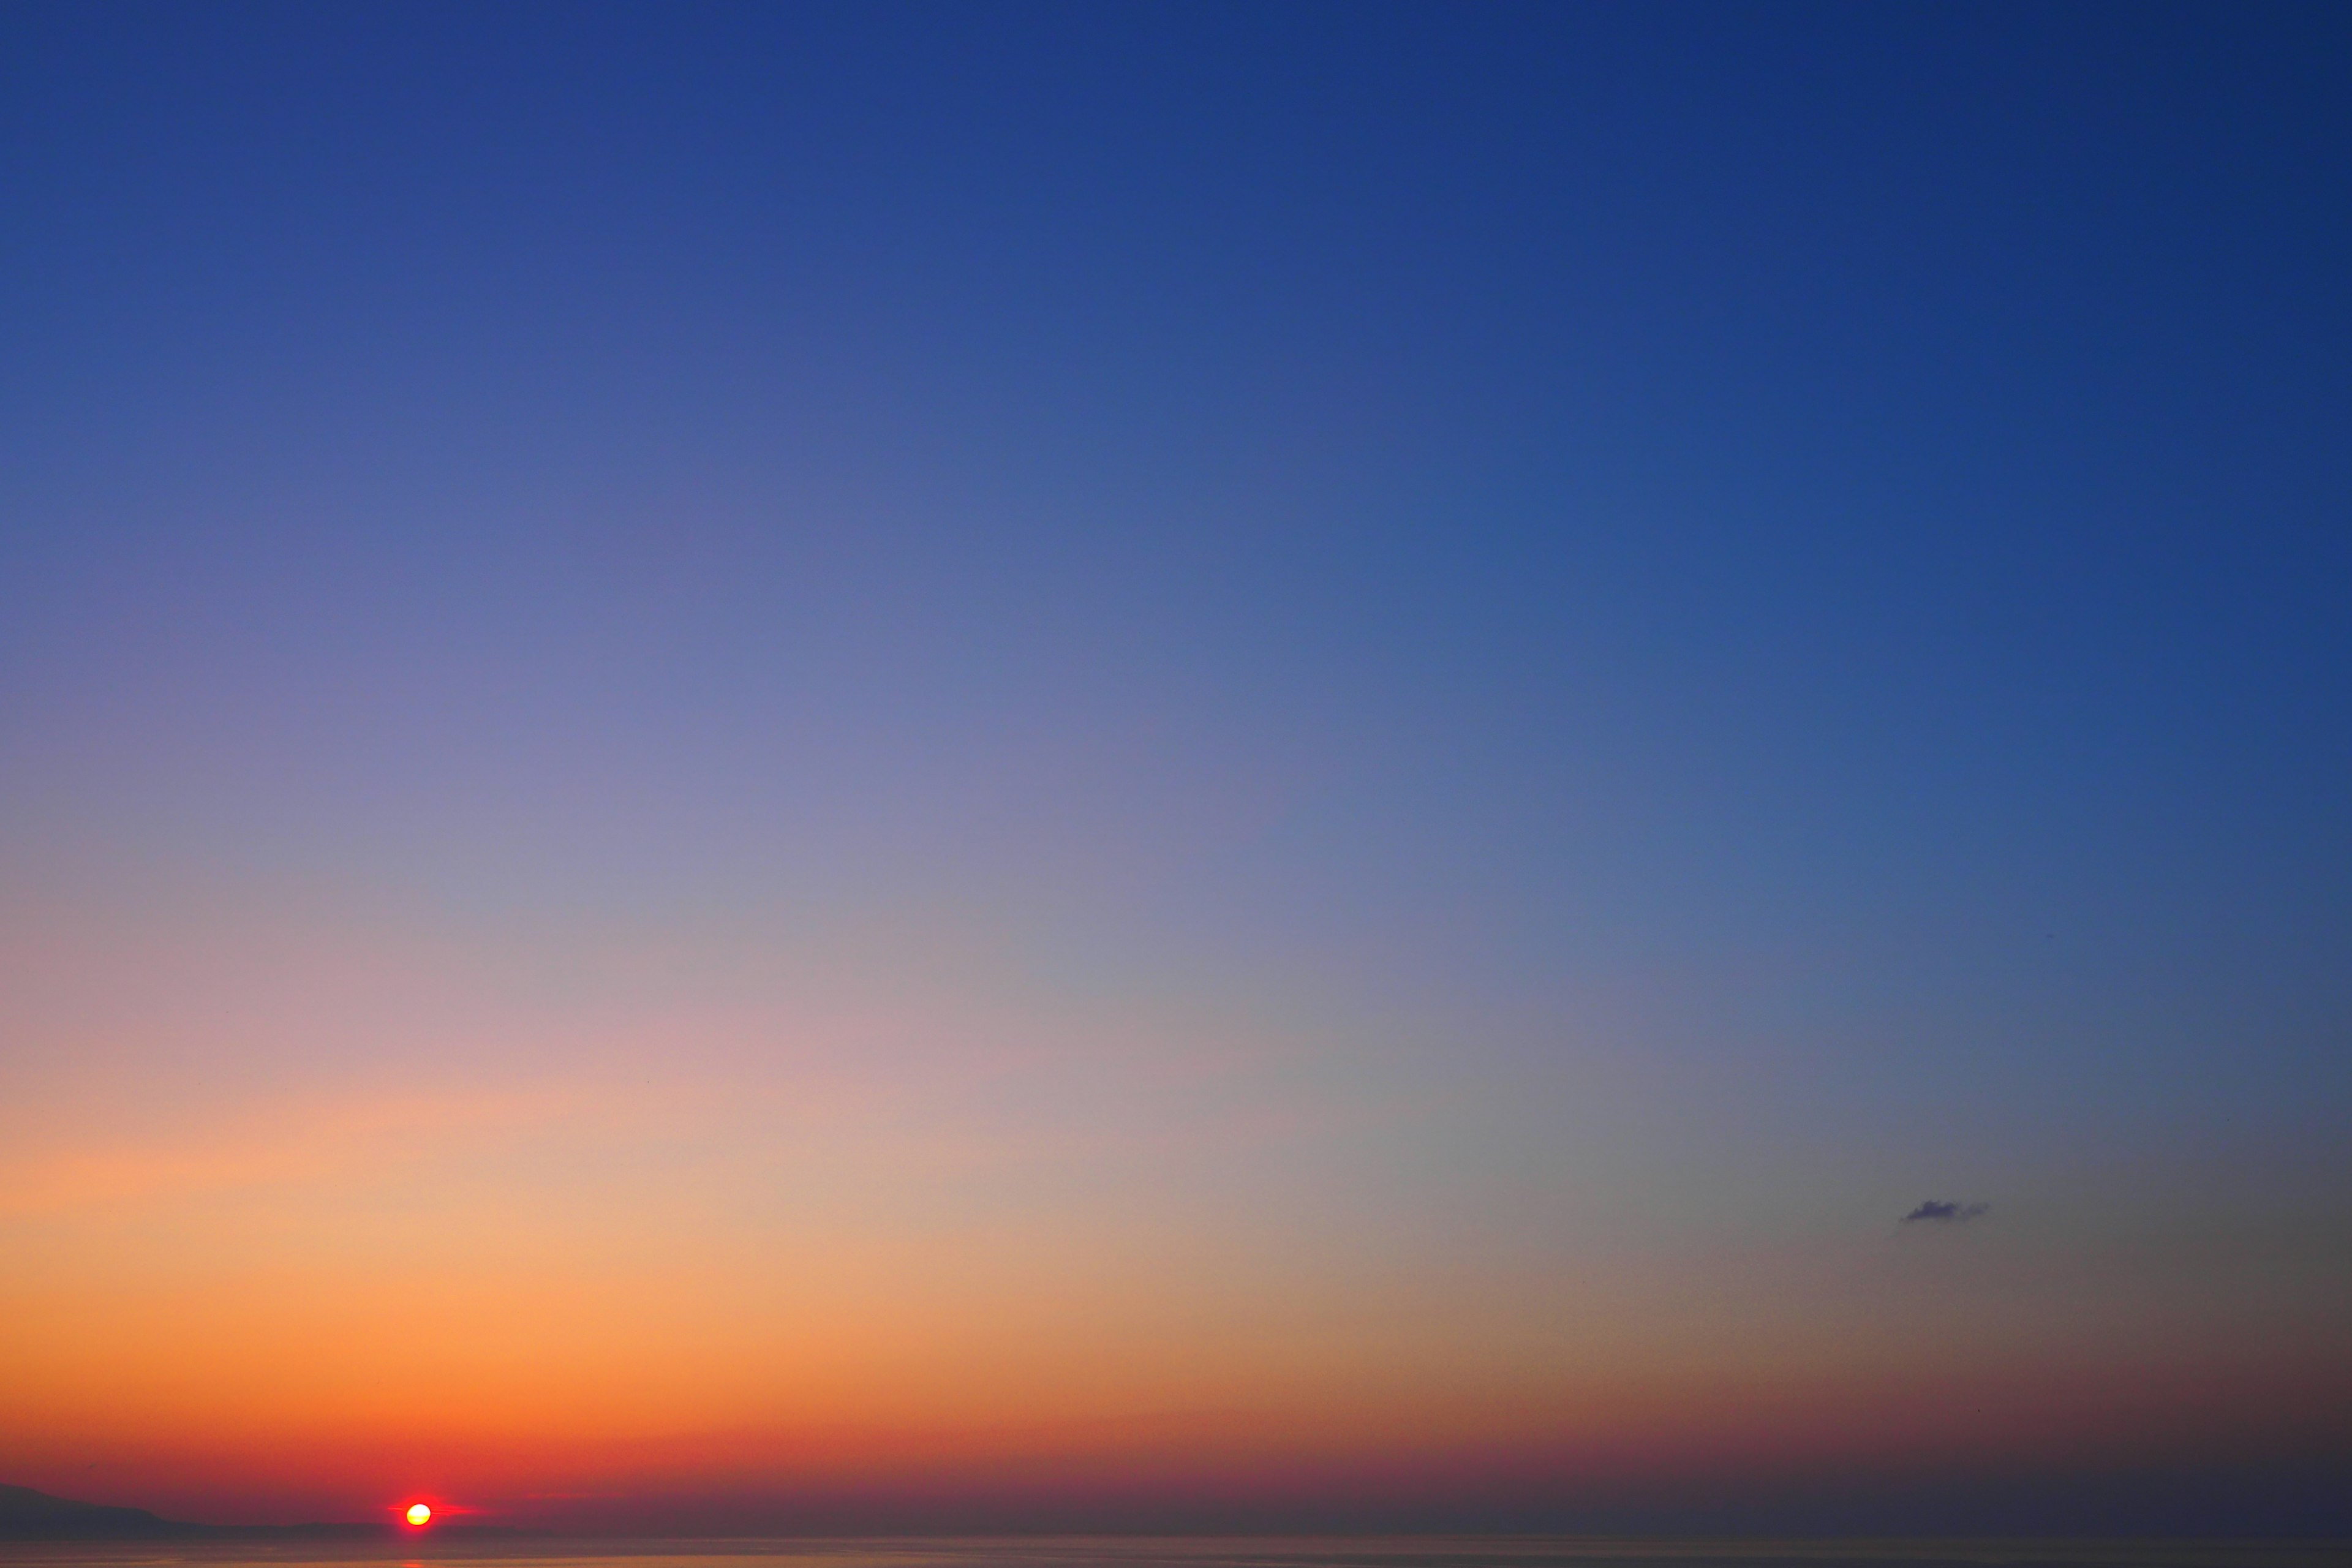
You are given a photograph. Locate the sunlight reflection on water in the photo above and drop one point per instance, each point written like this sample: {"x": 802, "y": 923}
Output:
{"x": 1132, "y": 1551}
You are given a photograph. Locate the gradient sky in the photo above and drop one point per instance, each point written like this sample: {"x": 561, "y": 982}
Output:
{"x": 817, "y": 767}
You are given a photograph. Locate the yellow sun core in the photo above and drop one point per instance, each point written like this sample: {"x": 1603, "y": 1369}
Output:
{"x": 418, "y": 1513}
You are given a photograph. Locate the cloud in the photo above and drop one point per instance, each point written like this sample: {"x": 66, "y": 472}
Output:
{"x": 1937, "y": 1212}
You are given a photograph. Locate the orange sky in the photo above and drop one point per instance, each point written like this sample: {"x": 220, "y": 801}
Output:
{"x": 850, "y": 1234}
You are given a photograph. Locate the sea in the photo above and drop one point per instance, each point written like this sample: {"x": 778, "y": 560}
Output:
{"x": 1185, "y": 1552}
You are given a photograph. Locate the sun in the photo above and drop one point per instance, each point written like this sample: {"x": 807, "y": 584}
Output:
{"x": 418, "y": 1514}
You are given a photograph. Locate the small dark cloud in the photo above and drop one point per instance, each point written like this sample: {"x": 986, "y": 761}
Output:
{"x": 1935, "y": 1211}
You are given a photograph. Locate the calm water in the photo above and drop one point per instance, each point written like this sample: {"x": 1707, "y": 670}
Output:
{"x": 1129, "y": 1551}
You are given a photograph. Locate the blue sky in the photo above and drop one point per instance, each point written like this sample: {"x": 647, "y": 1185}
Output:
{"x": 1663, "y": 630}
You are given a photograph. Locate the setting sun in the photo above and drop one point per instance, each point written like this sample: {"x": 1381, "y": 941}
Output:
{"x": 418, "y": 1513}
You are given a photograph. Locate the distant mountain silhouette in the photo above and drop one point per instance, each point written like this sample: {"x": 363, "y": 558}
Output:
{"x": 28, "y": 1515}
{"x": 25, "y": 1513}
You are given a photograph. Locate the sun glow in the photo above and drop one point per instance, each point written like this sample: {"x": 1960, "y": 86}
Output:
{"x": 418, "y": 1514}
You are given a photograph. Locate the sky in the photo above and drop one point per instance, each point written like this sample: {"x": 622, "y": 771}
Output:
{"x": 1178, "y": 766}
